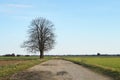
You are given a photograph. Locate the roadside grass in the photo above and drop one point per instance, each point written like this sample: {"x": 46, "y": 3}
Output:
{"x": 7, "y": 70}
{"x": 106, "y": 65}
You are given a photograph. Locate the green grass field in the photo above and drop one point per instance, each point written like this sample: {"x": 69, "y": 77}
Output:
{"x": 11, "y": 65}
{"x": 106, "y": 65}
{"x": 19, "y": 58}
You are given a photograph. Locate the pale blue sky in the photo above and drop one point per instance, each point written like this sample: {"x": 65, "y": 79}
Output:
{"x": 82, "y": 26}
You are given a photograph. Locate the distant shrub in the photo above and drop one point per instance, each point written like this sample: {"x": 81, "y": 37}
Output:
{"x": 18, "y": 55}
{"x": 12, "y": 54}
{"x": 98, "y": 54}
{"x": 27, "y": 55}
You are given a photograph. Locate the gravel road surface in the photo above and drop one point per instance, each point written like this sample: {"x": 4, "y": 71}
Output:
{"x": 58, "y": 70}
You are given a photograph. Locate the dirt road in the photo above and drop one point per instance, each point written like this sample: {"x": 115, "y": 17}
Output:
{"x": 58, "y": 70}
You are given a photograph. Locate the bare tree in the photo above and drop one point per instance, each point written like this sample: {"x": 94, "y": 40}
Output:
{"x": 41, "y": 36}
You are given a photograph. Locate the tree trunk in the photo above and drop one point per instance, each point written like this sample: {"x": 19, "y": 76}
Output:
{"x": 41, "y": 54}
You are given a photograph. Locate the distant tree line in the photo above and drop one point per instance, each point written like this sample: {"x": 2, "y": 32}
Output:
{"x": 98, "y": 54}
{"x": 9, "y": 54}
{"x": 13, "y": 55}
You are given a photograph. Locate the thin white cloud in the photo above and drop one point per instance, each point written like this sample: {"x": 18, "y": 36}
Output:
{"x": 19, "y": 5}
{"x": 12, "y": 8}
